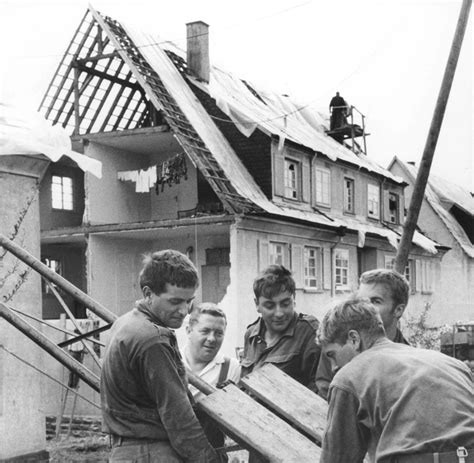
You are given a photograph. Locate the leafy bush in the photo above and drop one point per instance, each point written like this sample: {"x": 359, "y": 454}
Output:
{"x": 419, "y": 334}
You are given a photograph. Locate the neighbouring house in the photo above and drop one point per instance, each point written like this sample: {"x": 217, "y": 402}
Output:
{"x": 446, "y": 216}
{"x": 28, "y": 144}
{"x": 199, "y": 160}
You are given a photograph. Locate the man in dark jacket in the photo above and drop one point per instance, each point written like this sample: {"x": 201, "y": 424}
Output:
{"x": 281, "y": 336}
{"x": 145, "y": 405}
{"x": 338, "y": 110}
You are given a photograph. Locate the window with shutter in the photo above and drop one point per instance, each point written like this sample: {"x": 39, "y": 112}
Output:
{"x": 312, "y": 268}
{"x": 373, "y": 201}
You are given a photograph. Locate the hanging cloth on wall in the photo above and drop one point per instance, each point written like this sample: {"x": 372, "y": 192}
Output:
{"x": 168, "y": 172}
{"x": 171, "y": 171}
{"x": 145, "y": 179}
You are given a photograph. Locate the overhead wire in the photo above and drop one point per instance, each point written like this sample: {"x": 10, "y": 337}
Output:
{"x": 285, "y": 114}
{"x": 177, "y": 40}
{"x": 47, "y": 375}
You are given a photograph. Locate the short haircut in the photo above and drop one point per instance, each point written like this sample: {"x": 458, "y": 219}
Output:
{"x": 353, "y": 314}
{"x": 208, "y": 308}
{"x": 396, "y": 283}
{"x": 274, "y": 280}
{"x": 168, "y": 266}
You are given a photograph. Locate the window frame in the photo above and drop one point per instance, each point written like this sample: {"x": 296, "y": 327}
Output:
{"x": 409, "y": 273}
{"x": 349, "y": 201}
{"x": 323, "y": 186}
{"x": 341, "y": 285}
{"x": 290, "y": 191}
{"x": 59, "y": 269}
{"x": 373, "y": 199}
{"x": 396, "y": 215}
{"x": 59, "y": 195}
{"x": 285, "y": 254}
{"x": 317, "y": 278}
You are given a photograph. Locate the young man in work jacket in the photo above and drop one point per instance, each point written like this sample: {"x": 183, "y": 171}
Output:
{"x": 145, "y": 406}
{"x": 398, "y": 403}
{"x": 281, "y": 336}
{"x": 206, "y": 330}
{"x": 388, "y": 291}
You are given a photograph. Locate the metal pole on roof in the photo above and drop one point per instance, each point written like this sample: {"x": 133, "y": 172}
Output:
{"x": 431, "y": 141}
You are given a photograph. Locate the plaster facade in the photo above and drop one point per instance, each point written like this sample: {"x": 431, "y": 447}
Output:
{"x": 22, "y": 424}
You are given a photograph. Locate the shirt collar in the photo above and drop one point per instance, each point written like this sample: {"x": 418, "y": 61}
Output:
{"x": 142, "y": 307}
{"x": 259, "y": 328}
{"x": 218, "y": 359}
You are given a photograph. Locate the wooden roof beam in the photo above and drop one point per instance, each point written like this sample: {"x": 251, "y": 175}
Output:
{"x": 104, "y": 75}
{"x": 98, "y": 57}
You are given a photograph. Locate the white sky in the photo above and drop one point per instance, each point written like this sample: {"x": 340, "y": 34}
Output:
{"x": 386, "y": 57}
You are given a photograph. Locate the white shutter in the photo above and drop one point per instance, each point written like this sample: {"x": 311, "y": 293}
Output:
{"x": 386, "y": 208}
{"x": 418, "y": 276}
{"x": 430, "y": 276}
{"x": 305, "y": 184}
{"x": 279, "y": 172}
{"x": 262, "y": 252}
{"x": 327, "y": 268}
{"x": 297, "y": 265}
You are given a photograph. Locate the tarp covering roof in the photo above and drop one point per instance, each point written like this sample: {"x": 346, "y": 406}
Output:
{"x": 27, "y": 132}
{"x": 442, "y": 195}
{"x": 281, "y": 116}
{"x": 150, "y": 70}
{"x": 228, "y": 159}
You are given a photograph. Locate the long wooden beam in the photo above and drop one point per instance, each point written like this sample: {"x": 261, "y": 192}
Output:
{"x": 51, "y": 275}
{"x": 69, "y": 288}
{"x": 431, "y": 141}
{"x": 39, "y": 338}
{"x": 106, "y": 76}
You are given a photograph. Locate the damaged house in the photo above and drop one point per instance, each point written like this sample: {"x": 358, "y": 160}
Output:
{"x": 447, "y": 216}
{"x": 198, "y": 160}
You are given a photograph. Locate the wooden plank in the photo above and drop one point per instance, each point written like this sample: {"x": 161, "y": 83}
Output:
{"x": 296, "y": 403}
{"x": 261, "y": 430}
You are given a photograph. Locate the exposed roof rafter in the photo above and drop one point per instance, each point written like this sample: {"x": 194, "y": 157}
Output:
{"x": 93, "y": 89}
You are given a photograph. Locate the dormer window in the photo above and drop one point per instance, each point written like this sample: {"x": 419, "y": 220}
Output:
{"x": 292, "y": 187}
{"x": 373, "y": 201}
{"x": 393, "y": 208}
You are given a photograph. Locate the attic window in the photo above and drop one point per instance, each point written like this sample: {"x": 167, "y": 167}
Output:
{"x": 62, "y": 193}
{"x": 291, "y": 179}
{"x": 393, "y": 208}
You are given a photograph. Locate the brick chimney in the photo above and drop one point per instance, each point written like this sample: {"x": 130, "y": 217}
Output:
{"x": 197, "y": 33}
